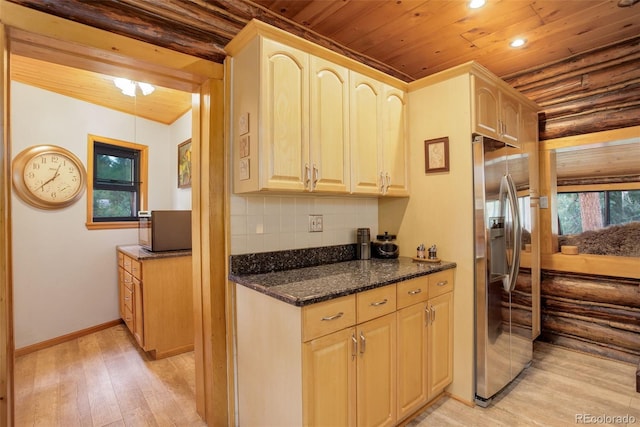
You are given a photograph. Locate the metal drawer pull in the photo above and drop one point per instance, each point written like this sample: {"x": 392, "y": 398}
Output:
{"x": 334, "y": 317}
{"x": 355, "y": 346}
{"x": 363, "y": 343}
{"x": 444, "y": 282}
{"x": 426, "y": 320}
{"x": 415, "y": 291}
{"x": 376, "y": 304}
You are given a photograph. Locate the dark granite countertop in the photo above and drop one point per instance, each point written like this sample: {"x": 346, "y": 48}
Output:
{"x": 138, "y": 253}
{"x": 309, "y": 285}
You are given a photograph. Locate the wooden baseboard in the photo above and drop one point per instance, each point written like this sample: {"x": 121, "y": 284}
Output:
{"x": 64, "y": 338}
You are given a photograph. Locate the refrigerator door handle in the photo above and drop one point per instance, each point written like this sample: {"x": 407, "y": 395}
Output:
{"x": 517, "y": 232}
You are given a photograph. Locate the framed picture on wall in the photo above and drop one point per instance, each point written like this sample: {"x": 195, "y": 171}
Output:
{"x": 436, "y": 155}
{"x": 184, "y": 164}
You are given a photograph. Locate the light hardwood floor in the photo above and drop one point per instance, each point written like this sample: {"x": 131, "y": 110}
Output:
{"x": 556, "y": 390}
{"x": 103, "y": 379}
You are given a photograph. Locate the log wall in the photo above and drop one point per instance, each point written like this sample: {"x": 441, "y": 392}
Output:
{"x": 590, "y": 92}
{"x": 594, "y": 314}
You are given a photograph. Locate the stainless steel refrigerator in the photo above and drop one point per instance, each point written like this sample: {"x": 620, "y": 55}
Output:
{"x": 504, "y": 345}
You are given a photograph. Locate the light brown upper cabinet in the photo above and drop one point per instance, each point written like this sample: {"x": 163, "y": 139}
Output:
{"x": 302, "y": 120}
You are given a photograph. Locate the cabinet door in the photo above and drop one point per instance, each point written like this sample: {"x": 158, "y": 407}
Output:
{"x": 510, "y": 118}
{"x": 285, "y": 116}
{"x": 138, "y": 315}
{"x": 412, "y": 359}
{"x": 394, "y": 142}
{"x": 365, "y": 94}
{"x": 376, "y": 372}
{"x": 329, "y": 380}
{"x": 440, "y": 343}
{"x": 486, "y": 117}
{"x": 329, "y": 125}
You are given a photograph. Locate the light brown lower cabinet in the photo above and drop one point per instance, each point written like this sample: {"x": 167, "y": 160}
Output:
{"x": 156, "y": 302}
{"x": 369, "y": 359}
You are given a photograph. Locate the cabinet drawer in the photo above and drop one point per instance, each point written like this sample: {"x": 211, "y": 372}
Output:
{"x": 128, "y": 299}
{"x": 440, "y": 283}
{"x": 127, "y": 280}
{"x": 376, "y": 302}
{"x": 128, "y": 318}
{"x": 126, "y": 263}
{"x": 327, "y": 317}
{"x": 412, "y": 291}
{"x": 136, "y": 269}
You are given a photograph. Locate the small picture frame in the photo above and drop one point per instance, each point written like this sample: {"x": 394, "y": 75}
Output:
{"x": 244, "y": 146}
{"x": 184, "y": 164}
{"x": 436, "y": 155}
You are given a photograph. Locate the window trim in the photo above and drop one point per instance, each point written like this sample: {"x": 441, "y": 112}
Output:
{"x": 144, "y": 174}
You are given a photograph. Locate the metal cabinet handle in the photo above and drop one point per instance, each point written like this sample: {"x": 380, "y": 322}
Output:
{"x": 379, "y": 303}
{"x": 307, "y": 176}
{"x": 315, "y": 176}
{"x": 442, "y": 283}
{"x": 363, "y": 343}
{"x": 334, "y": 317}
{"x": 382, "y": 190}
{"x": 427, "y": 317}
{"x": 354, "y": 346}
{"x": 415, "y": 291}
{"x": 388, "y": 182}
{"x": 433, "y": 314}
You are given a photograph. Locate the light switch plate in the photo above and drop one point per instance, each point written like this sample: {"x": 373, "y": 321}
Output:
{"x": 315, "y": 223}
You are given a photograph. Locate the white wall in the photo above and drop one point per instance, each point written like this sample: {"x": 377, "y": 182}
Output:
{"x": 263, "y": 223}
{"x": 440, "y": 210}
{"x": 179, "y": 132}
{"x": 65, "y": 276}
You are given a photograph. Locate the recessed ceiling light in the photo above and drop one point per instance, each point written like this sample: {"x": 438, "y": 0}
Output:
{"x": 476, "y": 4}
{"x": 519, "y": 42}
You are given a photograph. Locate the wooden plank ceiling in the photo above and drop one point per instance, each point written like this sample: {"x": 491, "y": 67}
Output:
{"x": 408, "y": 39}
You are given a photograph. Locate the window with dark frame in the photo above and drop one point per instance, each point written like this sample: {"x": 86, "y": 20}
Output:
{"x": 116, "y": 183}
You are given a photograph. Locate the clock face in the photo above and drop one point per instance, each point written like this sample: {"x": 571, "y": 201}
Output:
{"x": 49, "y": 177}
{"x": 52, "y": 177}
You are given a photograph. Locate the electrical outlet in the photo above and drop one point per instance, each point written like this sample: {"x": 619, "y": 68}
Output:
{"x": 315, "y": 223}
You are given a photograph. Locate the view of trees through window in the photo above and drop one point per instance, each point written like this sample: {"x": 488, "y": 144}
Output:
{"x": 583, "y": 211}
{"x": 116, "y": 183}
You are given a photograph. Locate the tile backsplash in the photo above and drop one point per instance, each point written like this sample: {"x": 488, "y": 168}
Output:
{"x": 264, "y": 223}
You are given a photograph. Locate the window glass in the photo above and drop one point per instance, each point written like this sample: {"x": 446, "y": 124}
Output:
{"x": 117, "y": 183}
{"x": 593, "y": 210}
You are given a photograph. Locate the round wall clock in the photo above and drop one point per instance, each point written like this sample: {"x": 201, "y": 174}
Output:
{"x": 48, "y": 176}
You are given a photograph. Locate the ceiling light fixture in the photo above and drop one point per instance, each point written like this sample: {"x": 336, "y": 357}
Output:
{"x": 519, "y": 42}
{"x": 128, "y": 87}
{"x": 476, "y": 4}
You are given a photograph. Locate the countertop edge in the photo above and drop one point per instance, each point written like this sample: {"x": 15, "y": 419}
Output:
{"x": 313, "y": 299}
{"x": 140, "y": 254}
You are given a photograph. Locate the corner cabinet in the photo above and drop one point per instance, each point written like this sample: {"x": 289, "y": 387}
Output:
{"x": 292, "y": 120}
{"x": 368, "y": 359}
{"x": 155, "y": 301}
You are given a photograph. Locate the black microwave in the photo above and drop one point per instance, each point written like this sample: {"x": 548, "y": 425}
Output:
{"x": 164, "y": 230}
